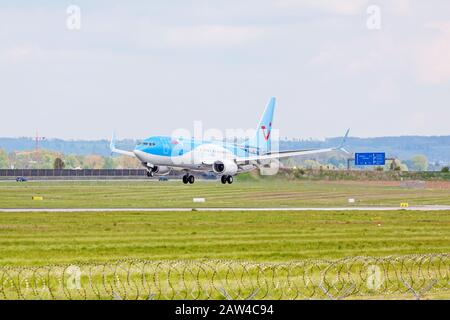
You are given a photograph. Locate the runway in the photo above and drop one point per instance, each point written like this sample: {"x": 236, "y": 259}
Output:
{"x": 93, "y": 210}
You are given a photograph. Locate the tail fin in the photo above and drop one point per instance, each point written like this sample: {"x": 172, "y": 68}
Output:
{"x": 261, "y": 142}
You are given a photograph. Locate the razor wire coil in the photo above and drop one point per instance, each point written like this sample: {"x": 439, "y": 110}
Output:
{"x": 412, "y": 276}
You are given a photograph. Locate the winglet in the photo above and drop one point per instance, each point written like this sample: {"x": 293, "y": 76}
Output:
{"x": 344, "y": 140}
{"x": 112, "y": 145}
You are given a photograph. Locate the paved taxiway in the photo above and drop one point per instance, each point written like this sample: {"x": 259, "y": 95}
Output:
{"x": 415, "y": 208}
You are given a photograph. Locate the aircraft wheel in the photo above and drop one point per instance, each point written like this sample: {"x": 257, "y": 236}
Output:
{"x": 224, "y": 179}
{"x": 149, "y": 174}
{"x": 230, "y": 179}
{"x": 185, "y": 179}
{"x": 191, "y": 179}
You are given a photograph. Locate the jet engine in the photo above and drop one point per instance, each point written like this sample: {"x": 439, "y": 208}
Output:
{"x": 225, "y": 167}
{"x": 160, "y": 170}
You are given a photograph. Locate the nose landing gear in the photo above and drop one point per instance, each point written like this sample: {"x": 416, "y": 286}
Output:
{"x": 150, "y": 169}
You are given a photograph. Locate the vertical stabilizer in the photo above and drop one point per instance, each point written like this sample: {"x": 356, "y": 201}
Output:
{"x": 261, "y": 142}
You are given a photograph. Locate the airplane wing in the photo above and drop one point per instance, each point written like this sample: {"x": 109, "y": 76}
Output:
{"x": 293, "y": 153}
{"x": 113, "y": 148}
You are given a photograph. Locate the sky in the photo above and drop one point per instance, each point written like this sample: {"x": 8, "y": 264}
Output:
{"x": 143, "y": 68}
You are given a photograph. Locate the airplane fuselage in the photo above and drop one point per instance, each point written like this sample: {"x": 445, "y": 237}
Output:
{"x": 187, "y": 153}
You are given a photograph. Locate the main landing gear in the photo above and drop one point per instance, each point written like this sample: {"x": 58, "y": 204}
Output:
{"x": 150, "y": 171}
{"x": 188, "y": 178}
{"x": 226, "y": 179}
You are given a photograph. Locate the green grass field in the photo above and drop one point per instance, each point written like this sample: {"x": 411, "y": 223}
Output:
{"x": 43, "y": 238}
{"x": 49, "y": 238}
{"x": 55, "y": 238}
{"x": 262, "y": 193}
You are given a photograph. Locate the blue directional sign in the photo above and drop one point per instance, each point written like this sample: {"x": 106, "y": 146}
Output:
{"x": 370, "y": 159}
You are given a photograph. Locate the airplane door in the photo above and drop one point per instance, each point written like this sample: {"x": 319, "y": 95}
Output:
{"x": 166, "y": 148}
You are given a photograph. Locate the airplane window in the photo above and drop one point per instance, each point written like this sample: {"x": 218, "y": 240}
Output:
{"x": 150, "y": 144}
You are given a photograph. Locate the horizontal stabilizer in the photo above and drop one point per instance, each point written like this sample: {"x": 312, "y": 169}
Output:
{"x": 113, "y": 148}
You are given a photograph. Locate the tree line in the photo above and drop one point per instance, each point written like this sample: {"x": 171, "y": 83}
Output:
{"x": 47, "y": 159}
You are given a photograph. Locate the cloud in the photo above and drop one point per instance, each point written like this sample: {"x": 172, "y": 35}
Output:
{"x": 400, "y": 7}
{"x": 442, "y": 26}
{"x": 208, "y": 36}
{"x": 363, "y": 55}
{"x": 17, "y": 53}
{"x": 347, "y": 7}
{"x": 431, "y": 56}
{"x": 317, "y": 56}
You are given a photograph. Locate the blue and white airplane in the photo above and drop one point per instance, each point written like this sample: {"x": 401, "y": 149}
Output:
{"x": 161, "y": 155}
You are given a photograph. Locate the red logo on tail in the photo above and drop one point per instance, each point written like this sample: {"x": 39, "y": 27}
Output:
{"x": 266, "y": 136}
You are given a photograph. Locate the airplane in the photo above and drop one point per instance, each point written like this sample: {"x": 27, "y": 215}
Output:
{"x": 161, "y": 155}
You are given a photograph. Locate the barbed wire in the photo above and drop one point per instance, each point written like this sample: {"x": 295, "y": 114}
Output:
{"x": 413, "y": 276}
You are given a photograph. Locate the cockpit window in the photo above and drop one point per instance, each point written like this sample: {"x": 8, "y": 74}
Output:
{"x": 150, "y": 144}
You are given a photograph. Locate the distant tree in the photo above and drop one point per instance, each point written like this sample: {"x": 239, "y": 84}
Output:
{"x": 397, "y": 165}
{"x": 289, "y": 162}
{"x": 335, "y": 161}
{"x": 394, "y": 165}
{"x": 74, "y": 161}
{"x": 43, "y": 159}
{"x": 59, "y": 164}
{"x": 12, "y": 157}
{"x": 93, "y": 162}
{"x": 22, "y": 160}
{"x": 125, "y": 162}
{"x": 108, "y": 163}
{"x": 312, "y": 164}
{"x": 300, "y": 171}
{"x": 3, "y": 159}
{"x": 445, "y": 169}
{"x": 419, "y": 163}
